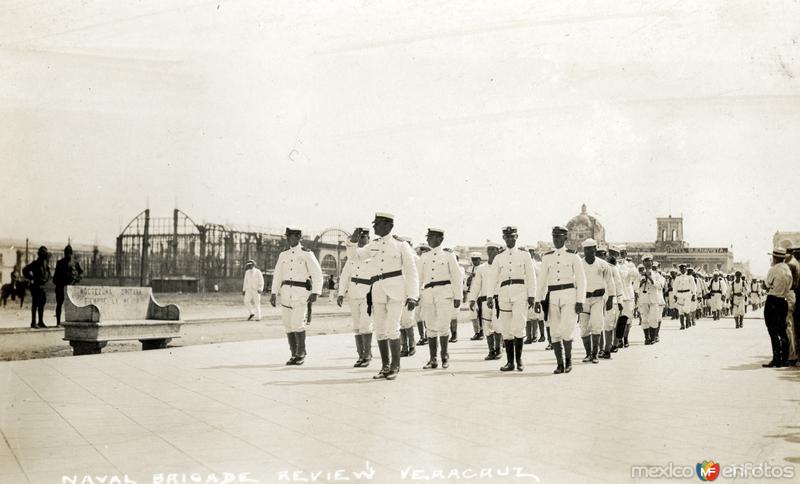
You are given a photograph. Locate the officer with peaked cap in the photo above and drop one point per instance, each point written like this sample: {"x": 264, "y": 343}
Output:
{"x": 514, "y": 284}
{"x": 441, "y": 282}
{"x": 599, "y": 292}
{"x": 297, "y": 280}
{"x": 739, "y": 298}
{"x": 354, "y": 284}
{"x": 684, "y": 295}
{"x": 565, "y": 281}
{"x": 395, "y": 286}
{"x": 478, "y": 299}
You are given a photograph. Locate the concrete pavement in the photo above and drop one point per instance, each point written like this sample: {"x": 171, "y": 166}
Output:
{"x": 700, "y": 394}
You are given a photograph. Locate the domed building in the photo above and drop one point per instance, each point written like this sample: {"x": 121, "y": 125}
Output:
{"x": 583, "y": 226}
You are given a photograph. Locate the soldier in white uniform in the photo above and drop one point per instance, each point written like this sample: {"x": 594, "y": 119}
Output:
{"x": 684, "y": 294}
{"x": 535, "y": 323}
{"x": 252, "y": 287}
{"x": 297, "y": 280}
{"x": 423, "y": 334}
{"x": 454, "y": 311}
{"x": 395, "y": 286}
{"x": 440, "y": 292}
{"x": 477, "y": 322}
{"x": 354, "y": 284}
{"x": 514, "y": 284}
{"x": 661, "y": 300}
{"x": 478, "y": 298}
{"x": 564, "y": 279}
{"x": 409, "y": 317}
{"x": 611, "y": 315}
{"x": 629, "y": 275}
{"x": 599, "y": 289}
{"x": 717, "y": 288}
{"x": 651, "y": 286}
{"x": 739, "y": 298}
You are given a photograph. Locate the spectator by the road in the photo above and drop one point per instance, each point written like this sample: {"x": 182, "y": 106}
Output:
{"x": 779, "y": 283}
{"x": 68, "y": 272}
{"x": 38, "y": 273}
{"x": 252, "y": 288}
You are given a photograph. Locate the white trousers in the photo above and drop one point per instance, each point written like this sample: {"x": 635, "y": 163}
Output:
{"x": 362, "y": 322}
{"x": 593, "y": 315}
{"x": 650, "y": 313}
{"x": 437, "y": 315}
{"x": 252, "y": 301}
{"x": 561, "y": 316}
{"x": 293, "y": 313}
{"x": 610, "y": 319}
{"x": 513, "y": 315}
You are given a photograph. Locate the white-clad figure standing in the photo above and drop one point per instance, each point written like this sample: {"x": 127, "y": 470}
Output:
{"x": 252, "y": 287}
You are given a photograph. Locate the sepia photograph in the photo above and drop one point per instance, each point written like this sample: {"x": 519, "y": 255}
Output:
{"x": 307, "y": 241}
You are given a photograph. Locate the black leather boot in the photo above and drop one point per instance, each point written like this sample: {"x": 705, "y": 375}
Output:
{"x": 549, "y": 341}
{"x": 567, "y": 356}
{"x": 412, "y": 347}
{"x": 383, "y": 347}
{"x": 366, "y": 341}
{"x": 301, "y": 347}
{"x": 453, "y": 331}
{"x": 432, "y": 363}
{"x": 541, "y": 331}
{"x": 403, "y": 343}
{"x": 509, "y": 366}
{"x": 292, "y": 347}
{"x": 360, "y": 350}
{"x": 559, "y": 358}
{"x": 490, "y": 343}
{"x": 423, "y": 340}
{"x": 445, "y": 355}
{"x": 587, "y": 345}
{"x": 394, "y": 367}
{"x": 608, "y": 337}
{"x": 518, "y": 353}
{"x": 497, "y": 339}
{"x": 595, "y": 347}
{"x": 528, "y": 332}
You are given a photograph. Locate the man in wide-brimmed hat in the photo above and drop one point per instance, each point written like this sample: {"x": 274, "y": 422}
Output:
{"x": 779, "y": 283}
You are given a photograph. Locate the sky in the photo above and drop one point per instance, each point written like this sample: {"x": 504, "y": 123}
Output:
{"x": 462, "y": 115}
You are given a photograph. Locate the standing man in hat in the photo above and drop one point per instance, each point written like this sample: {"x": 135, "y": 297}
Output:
{"x": 651, "y": 286}
{"x": 685, "y": 293}
{"x": 423, "y": 332}
{"x": 477, "y": 322}
{"x": 599, "y": 289}
{"x": 717, "y": 288}
{"x": 779, "y": 283}
{"x": 564, "y": 279}
{"x": 409, "y": 317}
{"x": 297, "y": 280}
{"x": 739, "y": 298}
{"x": 252, "y": 287}
{"x": 38, "y": 273}
{"x": 395, "y": 286}
{"x": 441, "y": 283}
{"x": 514, "y": 284}
{"x": 611, "y": 315}
{"x": 535, "y": 322}
{"x": 628, "y": 273}
{"x": 68, "y": 272}
{"x": 478, "y": 299}
{"x": 354, "y": 283}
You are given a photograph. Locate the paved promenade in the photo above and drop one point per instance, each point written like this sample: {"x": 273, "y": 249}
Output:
{"x": 234, "y": 407}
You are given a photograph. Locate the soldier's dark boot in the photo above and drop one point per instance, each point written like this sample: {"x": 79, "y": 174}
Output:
{"x": 559, "y": 358}
{"x": 301, "y": 347}
{"x": 528, "y": 332}
{"x": 607, "y": 352}
{"x": 490, "y": 343}
{"x": 366, "y": 341}
{"x": 412, "y": 346}
{"x": 658, "y": 329}
{"x": 587, "y": 345}
{"x": 360, "y": 350}
{"x": 549, "y": 341}
{"x": 497, "y": 339}
{"x": 567, "y": 356}
{"x": 509, "y": 345}
{"x": 453, "y": 331}
{"x": 541, "y": 331}
{"x": 647, "y": 336}
{"x": 423, "y": 339}
{"x": 518, "y": 353}
{"x": 476, "y": 328}
{"x": 682, "y": 317}
{"x": 403, "y": 343}
{"x": 292, "y": 347}
{"x": 383, "y": 347}
{"x": 595, "y": 348}
{"x": 432, "y": 363}
{"x": 394, "y": 367}
{"x": 445, "y": 355}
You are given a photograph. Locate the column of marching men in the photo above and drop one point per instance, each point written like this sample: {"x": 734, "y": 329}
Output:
{"x": 515, "y": 294}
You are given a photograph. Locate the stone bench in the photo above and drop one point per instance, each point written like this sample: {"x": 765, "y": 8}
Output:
{"x": 95, "y": 315}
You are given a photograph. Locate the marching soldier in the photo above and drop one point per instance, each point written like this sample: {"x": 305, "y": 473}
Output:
{"x": 717, "y": 288}
{"x": 651, "y": 285}
{"x": 599, "y": 289}
{"x": 297, "y": 280}
{"x": 739, "y": 298}
{"x": 423, "y": 335}
{"x": 478, "y": 297}
{"x": 441, "y": 283}
{"x": 514, "y": 284}
{"x": 407, "y": 320}
{"x": 661, "y": 300}
{"x": 454, "y": 312}
{"x": 629, "y": 275}
{"x": 395, "y": 284}
{"x": 477, "y": 322}
{"x": 354, "y": 283}
{"x": 535, "y": 323}
{"x": 685, "y": 294}
{"x": 563, "y": 278}
{"x": 610, "y": 321}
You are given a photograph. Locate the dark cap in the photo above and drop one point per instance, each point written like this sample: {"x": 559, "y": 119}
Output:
{"x": 559, "y": 230}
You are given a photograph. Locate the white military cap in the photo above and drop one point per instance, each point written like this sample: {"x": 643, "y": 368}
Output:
{"x": 294, "y": 229}
{"x": 640, "y": 266}
{"x": 493, "y": 244}
{"x": 385, "y": 215}
{"x": 647, "y": 257}
{"x": 589, "y": 243}
{"x": 655, "y": 263}
{"x": 435, "y": 230}
{"x": 509, "y": 229}
{"x": 474, "y": 255}
{"x": 251, "y": 261}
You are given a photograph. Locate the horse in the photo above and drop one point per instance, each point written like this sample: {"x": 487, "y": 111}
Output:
{"x": 15, "y": 290}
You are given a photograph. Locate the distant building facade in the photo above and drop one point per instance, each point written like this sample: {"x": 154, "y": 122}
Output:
{"x": 786, "y": 239}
